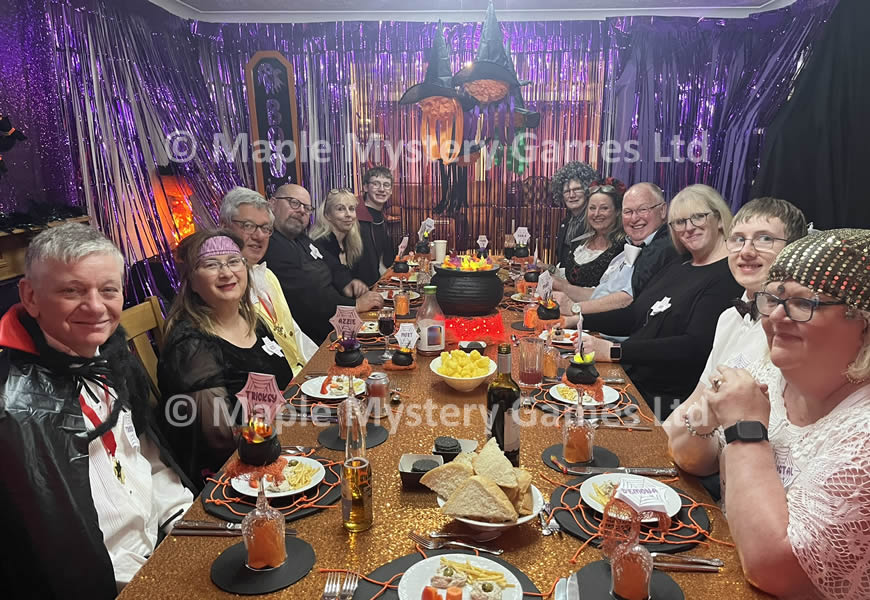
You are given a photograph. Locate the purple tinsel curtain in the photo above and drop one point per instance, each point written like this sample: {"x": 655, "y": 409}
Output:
{"x": 110, "y": 84}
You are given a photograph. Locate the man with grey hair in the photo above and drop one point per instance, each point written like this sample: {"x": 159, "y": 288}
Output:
{"x": 248, "y": 214}
{"x": 86, "y": 480}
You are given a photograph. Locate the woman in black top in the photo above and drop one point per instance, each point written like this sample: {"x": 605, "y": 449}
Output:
{"x": 214, "y": 341}
{"x": 570, "y": 185}
{"x": 672, "y": 322}
{"x": 337, "y": 231}
{"x": 587, "y": 263}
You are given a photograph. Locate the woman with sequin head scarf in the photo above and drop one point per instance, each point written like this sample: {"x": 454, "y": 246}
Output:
{"x": 214, "y": 339}
{"x": 570, "y": 185}
{"x": 795, "y": 427}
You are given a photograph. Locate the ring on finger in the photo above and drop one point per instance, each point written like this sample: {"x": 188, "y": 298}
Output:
{"x": 715, "y": 383}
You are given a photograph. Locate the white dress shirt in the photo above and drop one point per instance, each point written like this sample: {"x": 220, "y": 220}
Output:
{"x": 738, "y": 342}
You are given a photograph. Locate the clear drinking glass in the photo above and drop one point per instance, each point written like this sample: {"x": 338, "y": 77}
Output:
{"x": 531, "y": 362}
{"x": 386, "y": 325}
{"x": 578, "y": 436}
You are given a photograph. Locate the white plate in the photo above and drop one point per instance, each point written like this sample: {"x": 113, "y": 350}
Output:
{"x": 411, "y": 278}
{"x": 242, "y": 484}
{"x": 611, "y": 396}
{"x": 669, "y": 494}
{"x": 521, "y": 298}
{"x": 567, "y": 343}
{"x": 420, "y": 574}
{"x": 412, "y": 295}
{"x": 537, "y": 504}
{"x": 311, "y": 388}
{"x": 369, "y": 328}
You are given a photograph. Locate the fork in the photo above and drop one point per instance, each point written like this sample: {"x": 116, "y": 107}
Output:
{"x": 552, "y": 524}
{"x": 542, "y": 517}
{"x": 332, "y": 586}
{"x": 428, "y": 544}
{"x": 350, "y": 584}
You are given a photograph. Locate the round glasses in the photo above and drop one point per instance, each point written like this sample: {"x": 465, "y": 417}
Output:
{"x": 735, "y": 243}
{"x": 213, "y": 267}
{"x": 574, "y": 191}
{"x": 642, "y": 212}
{"x": 799, "y": 310}
{"x": 696, "y": 219}
{"x": 296, "y": 204}
{"x": 251, "y": 227}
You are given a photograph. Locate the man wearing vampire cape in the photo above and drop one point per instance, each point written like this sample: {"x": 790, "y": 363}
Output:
{"x": 86, "y": 485}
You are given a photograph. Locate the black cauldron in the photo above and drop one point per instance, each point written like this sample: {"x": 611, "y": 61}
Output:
{"x": 349, "y": 355}
{"x": 532, "y": 276}
{"x": 422, "y": 247}
{"x": 401, "y": 266}
{"x": 549, "y": 313}
{"x": 581, "y": 373}
{"x": 259, "y": 453}
{"x": 467, "y": 293}
{"x": 521, "y": 252}
{"x": 403, "y": 358}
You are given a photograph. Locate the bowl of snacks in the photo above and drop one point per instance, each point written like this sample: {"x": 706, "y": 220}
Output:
{"x": 463, "y": 371}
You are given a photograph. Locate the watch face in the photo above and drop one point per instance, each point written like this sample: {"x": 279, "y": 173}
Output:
{"x": 750, "y": 430}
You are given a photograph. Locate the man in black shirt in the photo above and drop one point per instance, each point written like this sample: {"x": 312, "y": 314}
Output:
{"x": 378, "y": 250}
{"x": 313, "y": 283}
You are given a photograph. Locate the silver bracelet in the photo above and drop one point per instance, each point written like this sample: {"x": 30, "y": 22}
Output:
{"x": 694, "y": 431}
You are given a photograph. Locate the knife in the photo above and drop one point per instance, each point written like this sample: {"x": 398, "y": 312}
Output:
{"x": 561, "y": 590}
{"x": 670, "y": 566}
{"x": 648, "y": 471}
{"x": 573, "y": 592}
{"x": 602, "y": 425}
{"x": 207, "y": 527}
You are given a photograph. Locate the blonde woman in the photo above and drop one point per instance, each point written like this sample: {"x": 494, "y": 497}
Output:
{"x": 672, "y": 322}
{"x": 336, "y": 231}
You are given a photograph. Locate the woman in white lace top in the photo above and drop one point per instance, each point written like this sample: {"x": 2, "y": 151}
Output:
{"x": 799, "y": 505}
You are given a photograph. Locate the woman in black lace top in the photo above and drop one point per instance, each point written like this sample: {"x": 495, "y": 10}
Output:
{"x": 587, "y": 263}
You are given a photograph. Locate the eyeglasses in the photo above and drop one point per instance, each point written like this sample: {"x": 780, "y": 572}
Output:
{"x": 735, "y": 243}
{"x": 295, "y": 204}
{"x": 380, "y": 185}
{"x": 696, "y": 219}
{"x": 213, "y": 267}
{"x": 799, "y": 310}
{"x": 642, "y": 212}
{"x": 251, "y": 227}
{"x": 574, "y": 191}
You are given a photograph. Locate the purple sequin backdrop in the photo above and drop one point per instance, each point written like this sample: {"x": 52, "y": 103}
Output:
{"x": 97, "y": 88}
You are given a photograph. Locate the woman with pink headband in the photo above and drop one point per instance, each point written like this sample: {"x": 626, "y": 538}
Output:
{"x": 214, "y": 340}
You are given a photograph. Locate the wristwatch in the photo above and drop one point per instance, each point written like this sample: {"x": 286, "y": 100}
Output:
{"x": 575, "y": 308}
{"x": 746, "y": 431}
{"x": 616, "y": 352}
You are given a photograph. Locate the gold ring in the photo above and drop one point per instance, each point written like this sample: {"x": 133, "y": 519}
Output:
{"x": 715, "y": 383}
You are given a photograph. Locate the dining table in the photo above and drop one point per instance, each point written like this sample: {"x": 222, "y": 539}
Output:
{"x": 427, "y": 408}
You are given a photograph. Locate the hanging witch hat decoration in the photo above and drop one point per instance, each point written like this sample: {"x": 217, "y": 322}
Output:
{"x": 438, "y": 81}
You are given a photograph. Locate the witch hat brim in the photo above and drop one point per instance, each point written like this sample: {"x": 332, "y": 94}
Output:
{"x": 439, "y": 74}
{"x": 492, "y": 60}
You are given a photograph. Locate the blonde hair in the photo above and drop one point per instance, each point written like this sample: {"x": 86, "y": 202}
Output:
{"x": 188, "y": 304}
{"x": 353, "y": 246}
{"x": 698, "y": 198}
{"x": 859, "y": 369}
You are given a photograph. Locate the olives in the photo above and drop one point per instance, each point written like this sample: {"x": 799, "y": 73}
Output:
{"x": 448, "y": 571}
{"x": 293, "y": 463}
{"x": 486, "y": 586}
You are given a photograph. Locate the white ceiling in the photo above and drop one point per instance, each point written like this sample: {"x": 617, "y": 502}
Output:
{"x": 312, "y": 11}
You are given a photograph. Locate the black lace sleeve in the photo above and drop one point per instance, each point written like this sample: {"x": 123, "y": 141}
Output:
{"x": 190, "y": 361}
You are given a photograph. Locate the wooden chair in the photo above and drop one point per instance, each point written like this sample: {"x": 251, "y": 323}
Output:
{"x": 138, "y": 321}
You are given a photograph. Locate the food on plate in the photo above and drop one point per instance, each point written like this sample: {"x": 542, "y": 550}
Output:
{"x": 446, "y": 577}
{"x": 337, "y": 386}
{"x": 604, "y": 492}
{"x": 369, "y": 327}
{"x": 295, "y": 475}
{"x": 479, "y": 498}
{"x": 430, "y": 593}
{"x": 454, "y": 593}
{"x": 423, "y": 465}
{"x": 485, "y": 584}
{"x": 465, "y": 365}
{"x": 444, "y": 480}
{"x": 492, "y": 463}
{"x": 485, "y": 590}
{"x": 444, "y": 443}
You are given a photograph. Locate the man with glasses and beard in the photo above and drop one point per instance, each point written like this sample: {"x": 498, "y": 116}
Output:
{"x": 314, "y": 284}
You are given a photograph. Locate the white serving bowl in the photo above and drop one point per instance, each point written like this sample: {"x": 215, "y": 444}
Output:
{"x": 462, "y": 384}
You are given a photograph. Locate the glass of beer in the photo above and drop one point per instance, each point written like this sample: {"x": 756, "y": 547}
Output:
{"x": 356, "y": 494}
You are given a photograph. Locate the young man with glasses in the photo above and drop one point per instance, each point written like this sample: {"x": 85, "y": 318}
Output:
{"x": 247, "y": 214}
{"x": 759, "y": 232}
{"x": 313, "y": 283}
{"x": 378, "y": 249}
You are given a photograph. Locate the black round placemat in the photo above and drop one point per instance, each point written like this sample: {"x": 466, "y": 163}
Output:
{"x": 375, "y": 436}
{"x": 591, "y": 519}
{"x": 230, "y": 573}
{"x": 518, "y": 325}
{"x": 367, "y": 590}
{"x": 328, "y": 492}
{"x": 594, "y": 581}
{"x": 601, "y": 457}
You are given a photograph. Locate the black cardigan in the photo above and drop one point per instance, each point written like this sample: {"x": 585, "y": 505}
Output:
{"x": 666, "y": 353}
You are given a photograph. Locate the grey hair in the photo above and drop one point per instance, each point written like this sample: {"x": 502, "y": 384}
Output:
{"x": 68, "y": 243}
{"x": 859, "y": 369}
{"x": 237, "y": 196}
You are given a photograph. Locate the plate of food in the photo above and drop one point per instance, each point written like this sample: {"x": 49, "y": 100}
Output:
{"x": 597, "y": 491}
{"x": 331, "y": 388}
{"x": 368, "y": 328}
{"x": 567, "y": 338}
{"x": 475, "y": 577}
{"x": 300, "y": 474}
{"x": 387, "y": 295}
{"x": 531, "y": 299}
{"x": 568, "y": 395}
{"x": 412, "y": 277}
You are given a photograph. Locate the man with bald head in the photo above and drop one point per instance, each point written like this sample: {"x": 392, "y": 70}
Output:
{"x": 648, "y": 248}
{"x": 314, "y": 284}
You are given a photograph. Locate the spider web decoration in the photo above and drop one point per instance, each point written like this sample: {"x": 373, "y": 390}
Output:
{"x": 261, "y": 392}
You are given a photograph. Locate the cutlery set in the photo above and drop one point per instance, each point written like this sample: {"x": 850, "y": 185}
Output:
{"x": 210, "y": 529}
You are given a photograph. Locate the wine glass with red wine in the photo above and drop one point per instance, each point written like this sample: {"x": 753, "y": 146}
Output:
{"x": 386, "y": 325}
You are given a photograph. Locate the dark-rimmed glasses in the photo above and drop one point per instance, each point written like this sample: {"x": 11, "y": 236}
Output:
{"x": 573, "y": 191}
{"x": 251, "y": 227}
{"x": 799, "y": 310}
{"x": 696, "y": 219}
{"x": 296, "y": 204}
{"x": 735, "y": 243}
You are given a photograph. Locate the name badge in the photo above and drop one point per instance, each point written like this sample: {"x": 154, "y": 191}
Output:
{"x": 315, "y": 253}
{"x": 130, "y": 430}
{"x": 785, "y": 466}
{"x": 271, "y": 347}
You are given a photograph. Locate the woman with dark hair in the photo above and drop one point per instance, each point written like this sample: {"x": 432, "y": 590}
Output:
{"x": 214, "y": 340}
{"x": 603, "y": 236}
{"x": 570, "y": 185}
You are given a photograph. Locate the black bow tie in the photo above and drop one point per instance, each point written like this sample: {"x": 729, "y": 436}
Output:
{"x": 746, "y": 308}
